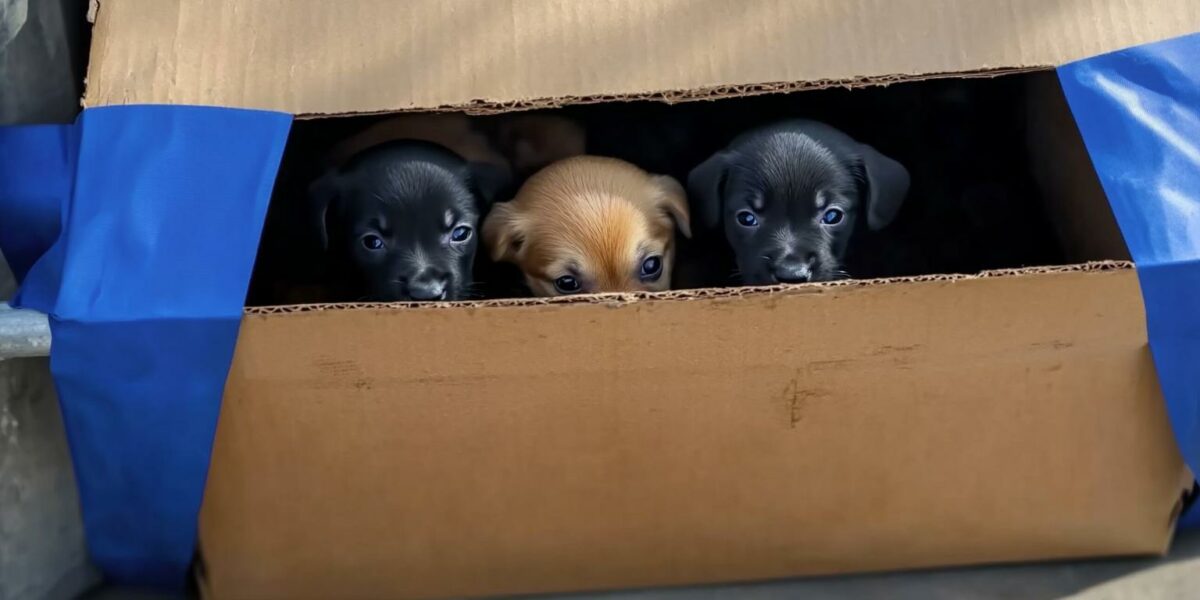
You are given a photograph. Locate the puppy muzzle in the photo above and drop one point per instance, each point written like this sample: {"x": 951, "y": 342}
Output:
{"x": 792, "y": 269}
{"x": 427, "y": 286}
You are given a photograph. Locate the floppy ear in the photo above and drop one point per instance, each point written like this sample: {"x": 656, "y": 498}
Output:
{"x": 673, "y": 201}
{"x": 488, "y": 181}
{"x": 504, "y": 232}
{"x": 706, "y": 188}
{"x": 887, "y": 182}
{"x": 322, "y": 193}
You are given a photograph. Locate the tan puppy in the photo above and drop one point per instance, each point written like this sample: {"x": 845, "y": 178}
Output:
{"x": 590, "y": 224}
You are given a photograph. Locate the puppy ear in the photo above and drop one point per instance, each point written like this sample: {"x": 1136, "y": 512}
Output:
{"x": 504, "y": 232}
{"x": 887, "y": 182}
{"x": 706, "y": 188}
{"x": 673, "y": 201}
{"x": 488, "y": 181}
{"x": 322, "y": 193}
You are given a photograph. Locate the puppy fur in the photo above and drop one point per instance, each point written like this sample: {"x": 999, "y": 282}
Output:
{"x": 399, "y": 220}
{"x": 590, "y": 224}
{"x": 789, "y": 198}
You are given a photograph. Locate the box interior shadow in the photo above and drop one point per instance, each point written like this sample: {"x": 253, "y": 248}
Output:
{"x": 1000, "y": 177}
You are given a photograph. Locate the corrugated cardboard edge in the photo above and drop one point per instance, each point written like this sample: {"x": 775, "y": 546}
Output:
{"x": 308, "y": 57}
{"x": 704, "y": 94}
{"x": 617, "y": 299}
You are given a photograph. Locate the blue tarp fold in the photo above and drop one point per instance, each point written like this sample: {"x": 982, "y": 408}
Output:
{"x": 160, "y": 210}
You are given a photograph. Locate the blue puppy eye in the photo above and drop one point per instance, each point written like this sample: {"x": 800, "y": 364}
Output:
{"x": 833, "y": 216}
{"x": 746, "y": 218}
{"x": 652, "y": 268}
{"x": 372, "y": 242}
{"x": 461, "y": 233}
{"x": 566, "y": 284}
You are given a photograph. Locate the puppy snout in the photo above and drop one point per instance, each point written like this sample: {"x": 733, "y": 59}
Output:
{"x": 793, "y": 269}
{"x": 428, "y": 285}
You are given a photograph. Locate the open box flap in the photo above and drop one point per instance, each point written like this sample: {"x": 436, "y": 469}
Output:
{"x": 317, "y": 57}
{"x": 1139, "y": 113}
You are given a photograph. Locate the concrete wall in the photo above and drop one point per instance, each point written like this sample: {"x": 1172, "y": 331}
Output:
{"x": 43, "y": 60}
{"x": 43, "y": 46}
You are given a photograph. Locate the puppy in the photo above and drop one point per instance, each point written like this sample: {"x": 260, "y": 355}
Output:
{"x": 791, "y": 196}
{"x": 399, "y": 220}
{"x": 590, "y": 224}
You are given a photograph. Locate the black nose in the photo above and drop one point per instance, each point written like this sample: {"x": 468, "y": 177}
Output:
{"x": 793, "y": 276}
{"x": 792, "y": 272}
{"x": 427, "y": 286}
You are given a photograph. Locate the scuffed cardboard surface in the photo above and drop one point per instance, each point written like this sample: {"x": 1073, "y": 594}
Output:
{"x": 318, "y": 57}
{"x": 392, "y": 452}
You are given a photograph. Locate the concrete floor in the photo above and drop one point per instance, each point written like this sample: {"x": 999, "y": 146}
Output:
{"x": 1134, "y": 578}
{"x": 1176, "y": 576}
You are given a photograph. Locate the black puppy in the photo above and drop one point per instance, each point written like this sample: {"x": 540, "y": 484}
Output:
{"x": 400, "y": 219}
{"x": 791, "y": 195}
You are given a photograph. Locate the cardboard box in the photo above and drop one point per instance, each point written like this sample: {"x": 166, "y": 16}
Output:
{"x": 684, "y": 437}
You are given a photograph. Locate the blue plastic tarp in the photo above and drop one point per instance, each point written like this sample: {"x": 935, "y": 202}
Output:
{"x": 160, "y": 211}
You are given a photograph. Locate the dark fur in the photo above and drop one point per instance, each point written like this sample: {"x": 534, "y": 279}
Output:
{"x": 403, "y": 192}
{"x": 788, "y": 174}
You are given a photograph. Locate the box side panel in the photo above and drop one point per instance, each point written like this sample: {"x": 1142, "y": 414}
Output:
{"x": 436, "y": 452}
{"x": 318, "y": 57}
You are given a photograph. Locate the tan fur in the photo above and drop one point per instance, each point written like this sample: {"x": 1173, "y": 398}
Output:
{"x": 593, "y": 218}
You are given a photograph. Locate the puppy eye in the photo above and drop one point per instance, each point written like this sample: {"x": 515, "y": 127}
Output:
{"x": 372, "y": 242}
{"x": 460, "y": 234}
{"x": 652, "y": 268}
{"x": 746, "y": 218}
{"x": 833, "y": 216}
{"x": 566, "y": 284}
